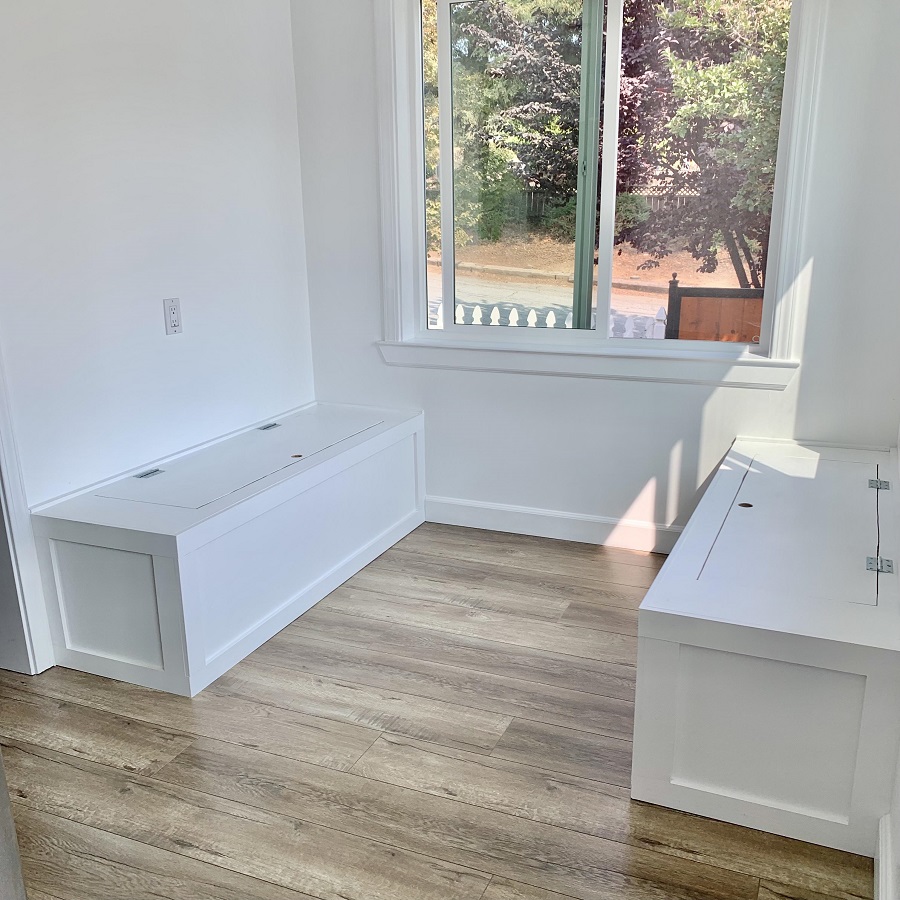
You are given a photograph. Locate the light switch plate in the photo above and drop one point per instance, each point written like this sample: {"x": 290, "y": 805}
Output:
{"x": 172, "y": 310}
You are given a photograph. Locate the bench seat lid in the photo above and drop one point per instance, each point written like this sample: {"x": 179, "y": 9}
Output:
{"x": 781, "y": 541}
{"x": 201, "y": 478}
{"x": 235, "y": 478}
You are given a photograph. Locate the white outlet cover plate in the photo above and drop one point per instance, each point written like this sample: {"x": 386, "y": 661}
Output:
{"x": 172, "y": 312}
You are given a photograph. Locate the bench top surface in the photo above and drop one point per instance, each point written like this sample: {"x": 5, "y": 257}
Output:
{"x": 201, "y": 478}
{"x": 172, "y": 496}
{"x": 781, "y": 541}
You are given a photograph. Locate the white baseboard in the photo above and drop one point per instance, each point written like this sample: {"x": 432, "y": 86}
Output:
{"x": 884, "y": 862}
{"x": 611, "y": 532}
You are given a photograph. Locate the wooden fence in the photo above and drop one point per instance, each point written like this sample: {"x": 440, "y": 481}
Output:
{"x": 714, "y": 314}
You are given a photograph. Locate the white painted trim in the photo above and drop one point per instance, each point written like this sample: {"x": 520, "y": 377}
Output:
{"x": 614, "y": 27}
{"x": 828, "y": 445}
{"x": 23, "y": 552}
{"x": 787, "y": 293}
{"x": 385, "y": 37}
{"x": 628, "y": 534}
{"x": 447, "y": 167}
{"x": 638, "y": 364}
{"x": 401, "y": 141}
{"x": 884, "y": 862}
{"x": 399, "y": 80}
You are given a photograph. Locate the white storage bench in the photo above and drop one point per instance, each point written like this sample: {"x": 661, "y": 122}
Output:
{"x": 169, "y": 577}
{"x": 768, "y": 689}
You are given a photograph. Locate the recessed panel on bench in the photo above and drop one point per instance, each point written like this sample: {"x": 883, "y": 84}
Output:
{"x": 772, "y": 719}
{"x": 201, "y": 478}
{"x": 108, "y": 603}
{"x": 800, "y": 526}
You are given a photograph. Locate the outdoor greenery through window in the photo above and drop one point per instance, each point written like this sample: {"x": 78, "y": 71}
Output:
{"x": 625, "y": 144}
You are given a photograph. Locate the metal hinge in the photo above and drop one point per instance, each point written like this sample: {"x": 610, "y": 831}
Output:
{"x": 879, "y": 484}
{"x": 879, "y": 564}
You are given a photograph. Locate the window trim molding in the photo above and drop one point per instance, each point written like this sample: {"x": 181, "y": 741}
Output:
{"x": 406, "y": 339}
{"x": 641, "y": 364}
{"x": 799, "y": 116}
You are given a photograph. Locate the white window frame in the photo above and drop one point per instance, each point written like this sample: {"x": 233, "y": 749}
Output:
{"x": 407, "y": 340}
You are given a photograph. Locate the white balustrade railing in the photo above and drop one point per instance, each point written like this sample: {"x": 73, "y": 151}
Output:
{"x": 515, "y": 316}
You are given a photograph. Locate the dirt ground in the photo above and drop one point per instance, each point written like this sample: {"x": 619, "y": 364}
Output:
{"x": 545, "y": 254}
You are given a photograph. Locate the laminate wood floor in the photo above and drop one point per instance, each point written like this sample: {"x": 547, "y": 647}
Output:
{"x": 453, "y": 723}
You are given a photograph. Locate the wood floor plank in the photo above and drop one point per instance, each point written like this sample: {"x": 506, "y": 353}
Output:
{"x": 521, "y": 583}
{"x": 496, "y": 693}
{"x": 496, "y": 626}
{"x": 504, "y": 889}
{"x": 524, "y": 551}
{"x": 486, "y": 545}
{"x": 529, "y": 590}
{"x": 88, "y": 733}
{"x": 464, "y": 651}
{"x": 248, "y": 722}
{"x": 461, "y": 584}
{"x": 469, "y": 777}
{"x": 534, "y": 593}
{"x": 78, "y": 862}
{"x": 427, "y": 736}
{"x": 387, "y": 710}
{"x": 587, "y": 614}
{"x": 273, "y": 847}
{"x": 607, "y": 811}
{"x": 566, "y": 750}
{"x": 771, "y": 891}
{"x": 581, "y": 865}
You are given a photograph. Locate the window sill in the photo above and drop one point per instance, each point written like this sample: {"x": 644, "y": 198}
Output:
{"x": 625, "y": 364}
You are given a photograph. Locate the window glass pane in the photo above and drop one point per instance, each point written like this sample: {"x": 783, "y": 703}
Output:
{"x": 700, "y": 108}
{"x": 431, "y": 96}
{"x": 515, "y": 73}
{"x": 516, "y": 90}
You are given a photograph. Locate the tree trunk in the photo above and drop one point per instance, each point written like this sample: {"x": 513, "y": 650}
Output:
{"x": 751, "y": 262}
{"x": 736, "y": 261}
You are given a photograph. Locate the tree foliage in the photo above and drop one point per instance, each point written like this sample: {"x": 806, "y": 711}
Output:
{"x": 700, "y": 103}
{"x": 709, "y": 129}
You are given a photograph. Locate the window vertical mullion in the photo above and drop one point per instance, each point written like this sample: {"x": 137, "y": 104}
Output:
{"x": 448, "y": 200}
{"x": 588, "y": 154}
{"x": 610, "y": 161}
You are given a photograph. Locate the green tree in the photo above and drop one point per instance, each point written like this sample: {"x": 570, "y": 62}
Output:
{"x": 515, "y": 81}
{"x": 719, "y": 78}
{"x": 700, "y": 107}
{"x": 432, "y": 124}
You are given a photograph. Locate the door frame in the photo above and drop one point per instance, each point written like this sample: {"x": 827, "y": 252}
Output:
{"x": 19, "y": 533}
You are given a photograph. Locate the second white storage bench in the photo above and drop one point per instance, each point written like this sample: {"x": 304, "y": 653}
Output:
{"x": 768, "y": 689}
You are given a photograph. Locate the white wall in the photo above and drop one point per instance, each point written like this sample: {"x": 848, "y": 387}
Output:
{"x": 149, "y": 150}
{"x": 603, "y": 448}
